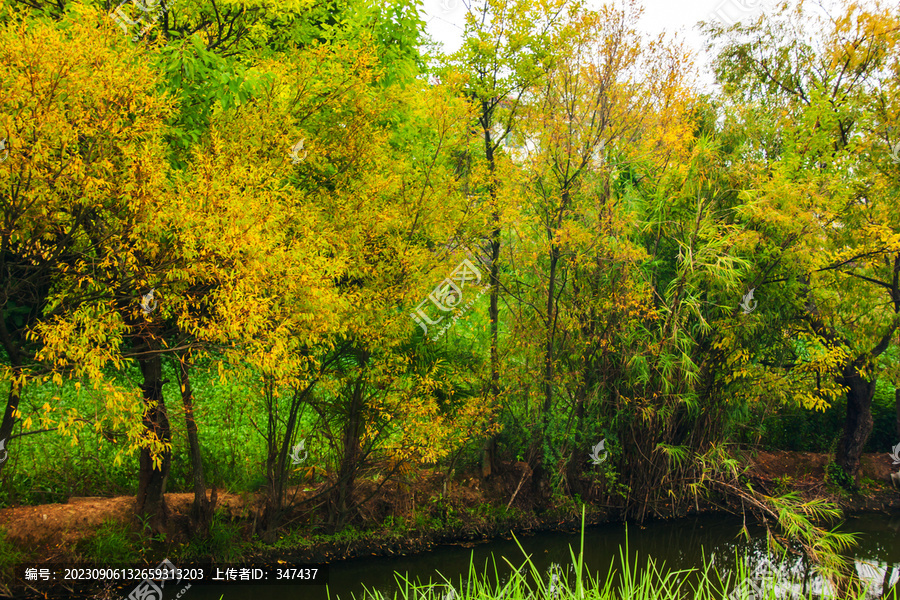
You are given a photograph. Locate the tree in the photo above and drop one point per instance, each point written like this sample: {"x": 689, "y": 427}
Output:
{"x": 609, "y": 99}
{"x": 829, "y": 180}
{"x": 508, "y": 46}
{"x": 80, "y": 134}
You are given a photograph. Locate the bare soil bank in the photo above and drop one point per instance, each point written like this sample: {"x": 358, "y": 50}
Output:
{"x": 50, "y": 532}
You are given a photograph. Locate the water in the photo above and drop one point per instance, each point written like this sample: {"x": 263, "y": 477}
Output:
{"x": 681, "y": 544}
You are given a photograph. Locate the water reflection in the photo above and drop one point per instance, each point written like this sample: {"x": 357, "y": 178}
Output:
{"x": 877, "y": 565}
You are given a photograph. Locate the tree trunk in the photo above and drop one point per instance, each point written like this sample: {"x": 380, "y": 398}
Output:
{"x": 6, "y": 427}
{"x": 858, "y": 424}
{"x": 202, "y": 509}
{"x": 897, "y": 408}
{"x": 588, "y": 385}
{"x": 539, "y": 474}
{"x": 152, "y": 481}
{"x": 540, "y": 479}
{"x": 489, "y": 457}
{"x": 342, "y": 500}
{"x": 489, "y": 450}
{"x": 271, "y": 517}
{"x": 577, "y": 454}
{"x": 276, "y": 460}
{"x": 15, "y": 390}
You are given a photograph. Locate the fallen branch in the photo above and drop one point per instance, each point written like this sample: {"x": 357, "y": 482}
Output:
{"x": 521, "y": 481}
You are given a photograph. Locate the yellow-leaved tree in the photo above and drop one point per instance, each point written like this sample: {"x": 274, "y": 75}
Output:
{"x": 85, "y": 170}
{"x": 612, "y": 98}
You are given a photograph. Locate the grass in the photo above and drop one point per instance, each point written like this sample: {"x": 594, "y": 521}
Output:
{"x": 9, "y": 555}
{"x": 652, "y": 582}
{"x": 113, "y": 543}
{"x": 224, "y": 543}
{"x": 48, "y": 467}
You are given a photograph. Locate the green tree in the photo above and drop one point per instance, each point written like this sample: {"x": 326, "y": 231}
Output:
{"x": 827, "y": 180}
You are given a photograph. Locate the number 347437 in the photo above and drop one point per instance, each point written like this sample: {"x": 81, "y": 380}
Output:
{"x": 292, "y": 573}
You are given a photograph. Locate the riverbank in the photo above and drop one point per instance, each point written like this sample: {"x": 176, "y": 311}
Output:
{"x": 685, "y": 548}
{"x": 404, "y": 517}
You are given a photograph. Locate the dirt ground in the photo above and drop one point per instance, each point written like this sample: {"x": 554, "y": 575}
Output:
{"x": 52, "y": 528}
{"x": 65, "y": 524}
{"x": 809, "y": 468}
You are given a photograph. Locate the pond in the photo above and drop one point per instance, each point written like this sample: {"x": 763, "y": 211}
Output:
{"x": 676, "y": 545}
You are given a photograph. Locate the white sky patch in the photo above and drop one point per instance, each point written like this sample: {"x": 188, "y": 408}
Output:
{"x": 446, "y": 20}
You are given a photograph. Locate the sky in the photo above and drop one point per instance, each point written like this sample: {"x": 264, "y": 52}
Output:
{"x": 446, "y": 20}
